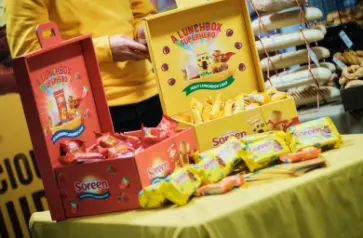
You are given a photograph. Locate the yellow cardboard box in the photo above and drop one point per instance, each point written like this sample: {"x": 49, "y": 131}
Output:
{"x": 206, "y": 49}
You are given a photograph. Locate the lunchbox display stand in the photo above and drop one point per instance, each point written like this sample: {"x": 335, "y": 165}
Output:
{"x": 63, "y": 99}
{"x": 206, "y": 49}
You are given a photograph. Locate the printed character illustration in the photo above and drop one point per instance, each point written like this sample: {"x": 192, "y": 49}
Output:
{"x": 173, "y": 155}
{"x": 204, "y": 63}
{"x": 191, "y": 176}
{"x": 73, "y": 105}
{"x": 326, "y": 132}
{"x": 258, "y": 124}
{"x": 220, "y": 60}
{"x": 184, "y": 153}
{"x": 277, "y": 121}
{"x": 220, "y": 161}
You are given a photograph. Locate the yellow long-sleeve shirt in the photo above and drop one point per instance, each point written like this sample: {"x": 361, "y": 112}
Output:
{"x": 125, "y": 83}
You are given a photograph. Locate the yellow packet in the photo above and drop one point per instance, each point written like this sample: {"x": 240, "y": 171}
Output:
{"x": 219, "y": 162}
{"x": 196, "y": 104}
{"x": 260, "y": 98}
{"x": 252, "y": 138}
{"x": 320, "y": 133}
{"x": 252, "y": 106}
{"x": 153, "y": 196}
{"x": 228, "y": 108}
{"x": 239, "y": 104}
{"x": 261, "y": 153}
{"x": 206, "y": 112}
{"x": 197, "y": 117}
{"x": 276, "y": 95}
{"x": 181, "y": 185}
{"x": 217, "y": 106}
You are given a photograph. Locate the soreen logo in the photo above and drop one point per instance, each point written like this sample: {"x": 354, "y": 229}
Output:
{"x": 96, "y": 189}
{"x": 217, "y": 141}
{"x": 158, "y": 170}
{"x": 263, "y": 146}
{"x": 309, "y": 132}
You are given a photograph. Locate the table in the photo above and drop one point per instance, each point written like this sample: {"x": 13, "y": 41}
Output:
{"x": 324, "y": 203}
{"x": 346, "y": 122}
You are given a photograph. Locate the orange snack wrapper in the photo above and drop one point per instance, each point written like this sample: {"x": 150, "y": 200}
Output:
{"x": 308, "y": 153}
{"x": 224, "y": 186}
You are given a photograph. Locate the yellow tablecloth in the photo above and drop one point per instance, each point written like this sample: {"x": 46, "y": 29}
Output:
{"x": 324, "y": 203}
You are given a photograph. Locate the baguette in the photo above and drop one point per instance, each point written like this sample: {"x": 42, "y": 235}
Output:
{"x": 283, "y": 19}
{"x": 270, "y": 6}
{"x": 307, "y": 95}
{"x": 282, "y": 41}
{"x": 321, "y": 28}
{"x": 326, "y": 65}
{"x": 284, "y": 82}
{"x": 293, "y": 58}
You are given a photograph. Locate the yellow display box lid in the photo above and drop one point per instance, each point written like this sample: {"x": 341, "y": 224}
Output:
{"x": 201, "y": 51}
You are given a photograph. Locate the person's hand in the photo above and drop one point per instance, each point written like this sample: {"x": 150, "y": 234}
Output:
{"x": 140, "y": 36}
{"x": 124, "y": 48}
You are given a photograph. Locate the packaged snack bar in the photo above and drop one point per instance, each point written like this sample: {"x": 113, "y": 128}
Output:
{"x": 80, "y": 157}
{"x": 133, "y": 140}
{"x": 122, "y": 150}
{"x": 252, "y": 106}
{"x": 239, "y": 104}
{"x": 207, "y": 109}
{"x": 97, "y": 148}
{"x": 228, "y": 107}
{"x": 153, "y": 195}
{"x": 252, "y": 138}
{"x": 320, "y": 133}
{"x": 218, "y": 163}
{"x": 107, "y": 140}
{"x": 224, "y": 186}
{"x": 217, "y": 106}
{"x": 196, "y": 104}
{"x": 71, "y": 146}
{"x": 260, "y": 98}
{"x": 261, "y": 153}
{"x": 61, "y": 104}
{"x": 308, "y": 153}
{"x": 181, "y": 185}
{"x": 197, "y": 117}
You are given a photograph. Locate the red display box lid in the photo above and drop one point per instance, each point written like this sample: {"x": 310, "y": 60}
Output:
{"x": 63, "y": 97}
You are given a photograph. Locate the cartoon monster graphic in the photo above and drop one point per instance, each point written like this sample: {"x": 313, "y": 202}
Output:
{"x": 220, "y": 161}
{"x": 220, "y": 60}
{"x": 204, "y": 63}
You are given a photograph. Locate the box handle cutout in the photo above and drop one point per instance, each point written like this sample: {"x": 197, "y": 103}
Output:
{"x": 46, "y": 40}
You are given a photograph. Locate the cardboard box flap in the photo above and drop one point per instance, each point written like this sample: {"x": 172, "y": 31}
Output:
{"x": 203, "y": 50}
{"x": 60, "y": 85}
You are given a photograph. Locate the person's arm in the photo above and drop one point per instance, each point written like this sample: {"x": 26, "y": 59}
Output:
{"x": 141, "y": 9}
{"x": 22, "y": 17}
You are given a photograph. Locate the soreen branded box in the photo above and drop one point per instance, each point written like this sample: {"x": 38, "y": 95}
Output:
{"x": 206, "y": 49}
{"x": 63, "y": 98}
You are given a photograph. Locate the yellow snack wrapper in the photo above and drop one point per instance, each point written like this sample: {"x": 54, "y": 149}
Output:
{"x": 252, "y": 138}
{"x": 252, "y": 106}
{"x": 206, "y": 112}
{"x": 196, "y": 104}
{"x": 320, "y": 133}
{"x": 153, "y": 195}
{"x": 228, "y": 106}
{"x": 181, "y": 185}
{"x": 260, "y": 98}
{"x": 197, "y": 117}
{"x": 239, "y": 104}
{"x": 261, "y": 153}
{"x": 217, "y": 106}
{"x": 219, "y": 162}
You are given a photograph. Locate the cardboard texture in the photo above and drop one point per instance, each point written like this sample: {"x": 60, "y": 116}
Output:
{"x": 63, "y": 98}
{"x": 206, "y": 48}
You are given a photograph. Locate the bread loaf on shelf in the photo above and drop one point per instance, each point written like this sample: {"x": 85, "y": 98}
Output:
{"x": 308, "y": 94}
{"x": 293, "y": 58}
{"x": 326, "y": 65}
{"x": 283, "y": 19}
{"x": 270, "y": 6}
{"x": 287, "y": 81}
{"x": 283, "y": 41}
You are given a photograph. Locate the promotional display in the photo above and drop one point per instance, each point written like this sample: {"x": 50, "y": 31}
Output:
{"x": 215, "y": 55}
{"x": 83, "y": 165}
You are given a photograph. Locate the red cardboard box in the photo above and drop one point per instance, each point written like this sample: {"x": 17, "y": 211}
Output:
{"x": 63, "y": 98}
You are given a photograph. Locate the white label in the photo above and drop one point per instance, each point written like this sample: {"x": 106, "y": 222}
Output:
{"x": 339, "y": 63}
{"x": 348, "y": 42}
{"x": 314, "y": 57}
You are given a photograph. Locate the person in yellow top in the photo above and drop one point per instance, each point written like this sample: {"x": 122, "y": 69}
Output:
{"x": 118, "y": 36}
